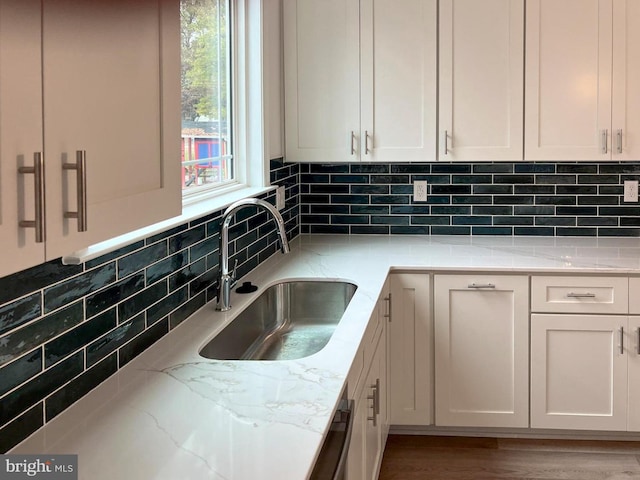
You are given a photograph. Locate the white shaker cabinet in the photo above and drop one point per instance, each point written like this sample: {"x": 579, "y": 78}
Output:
{"x": 481, "y": 80}
{"x": 360, "y": 81}
{"x": 582, "y": 75}
{"x": 111, "y": 89}
{"x": 367, "y": 384}
{"x": 106, "y": 96}
{"x": 632, "y": 346}
{"x": 578, "y": 372}
{"x": 410, "y": 333}
{"x": 481, "y": 350}
{"x": 583, "y": 353}
{"x": 20, "y": 131}
{"x": 625, "y": 125}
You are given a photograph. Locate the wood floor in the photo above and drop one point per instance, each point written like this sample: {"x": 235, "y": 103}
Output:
{"x": 411, "y": 457}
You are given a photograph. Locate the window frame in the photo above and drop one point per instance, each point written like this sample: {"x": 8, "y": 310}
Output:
{"x": 248, "y": 143}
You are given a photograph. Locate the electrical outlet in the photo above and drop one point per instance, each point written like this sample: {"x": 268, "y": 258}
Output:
{"x": 420, "y": 191}
{"x": 631, "y": 190}
{"x": 280, "y": 198}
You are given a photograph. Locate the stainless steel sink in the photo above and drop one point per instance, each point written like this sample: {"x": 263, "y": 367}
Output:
{"x": 287, "y": 321}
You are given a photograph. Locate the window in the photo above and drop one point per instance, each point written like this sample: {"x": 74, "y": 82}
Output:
{"x": 206, "y": 80}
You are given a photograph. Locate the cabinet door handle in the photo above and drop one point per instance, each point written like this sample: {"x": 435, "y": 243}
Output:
{"x": 39, "y": 187}
{"x": 353, "y": 139}
{"x": 619, "y": 140}
{"x": 375, "y": 396}
{"x": 374, "y": 417}
{"x": 81, "y": 188}
{"x": 446, "y": 142}
{"x": 638, "y": 348}
{"x": 366, "y": 143}
{"x": 581, "y": 295}
{"x": 481, "y": 285}
{"x": 388, "y": 314}
{"x": 621, "y": 340}
{"x": 605, "y": 141}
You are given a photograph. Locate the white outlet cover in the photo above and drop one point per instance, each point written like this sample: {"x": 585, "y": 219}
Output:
{"x": 420, "y": 191}
{"x": 631, "y": 190}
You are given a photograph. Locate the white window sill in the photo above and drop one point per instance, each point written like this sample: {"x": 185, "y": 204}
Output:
{"x": 191, "y": 211}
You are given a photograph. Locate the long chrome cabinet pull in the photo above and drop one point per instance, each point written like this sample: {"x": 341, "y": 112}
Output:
{"x": 366, "y": 143}
{"x": 81, "y": 181}
{"x": 581, "y": 295}
{"x": 638, "y": 350}
{"x": 446, "y": 142}
{"x": 605, "y": 141}
{"x": 481, "y": 285}
{"x": 373, "y": 396}
{"x": 38, "y": 181}
{"x": 619, "y": 140}
{"x": 353, "y": 139}
{"x": 388, "y": 300}
{"x": 621, "y": 340}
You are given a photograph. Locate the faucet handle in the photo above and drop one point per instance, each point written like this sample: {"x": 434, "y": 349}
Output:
{"x": 233, "y": 271}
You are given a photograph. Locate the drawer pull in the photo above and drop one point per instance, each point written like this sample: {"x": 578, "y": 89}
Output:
{"x": 581, "y": 295}
{"x": 482, "y": 285}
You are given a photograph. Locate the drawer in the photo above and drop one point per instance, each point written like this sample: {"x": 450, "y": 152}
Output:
{"x": 579, "y": 294}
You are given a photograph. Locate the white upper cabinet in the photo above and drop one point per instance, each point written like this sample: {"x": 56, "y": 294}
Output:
{"x": 625, "y": 125}
{"x": 481, "y": 87}
{"x": 20, "y": 130}
{"x": 111, "y": 89}
{"x": 360, "y": 80}
{"x": 322, "y": 80}
{"x": 95, "y": 77}
{"x": 582, "y": 71}
{"x": 398, "y": 80}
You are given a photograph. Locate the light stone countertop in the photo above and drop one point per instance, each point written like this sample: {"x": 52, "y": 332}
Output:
{"x": 171, "y": 414}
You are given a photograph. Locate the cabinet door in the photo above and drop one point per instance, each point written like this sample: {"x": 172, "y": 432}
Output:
{"x": 111, "y": 88}
{"x": 322, "y": 76}
{"x": 20, "y": 130}
{"x": 481, "y": 350}
{"x": 578, "y": 372}
{"x": 568, "y": 80}
{"x": 410, "y": 350}
{"x": 481, "y": 83}
{"x": 398, "y": 61}
{"x": 626, "y": 80}
{"x": 632, "y": 345}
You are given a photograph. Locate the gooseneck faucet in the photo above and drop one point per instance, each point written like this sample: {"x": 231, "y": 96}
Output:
{"x": 227, "y": 279}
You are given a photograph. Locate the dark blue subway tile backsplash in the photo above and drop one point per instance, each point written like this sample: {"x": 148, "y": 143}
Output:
{"x": 503, "y": 198}
{"x": 64, "y": 329}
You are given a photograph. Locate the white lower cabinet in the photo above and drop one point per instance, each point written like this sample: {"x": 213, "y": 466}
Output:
{"x": 368, "y": 387}
{"x": 410, "y": 333}
{"x": 579, "y": 372}
{"x": 481, "y": 350}
{"x": 633, "y": 372}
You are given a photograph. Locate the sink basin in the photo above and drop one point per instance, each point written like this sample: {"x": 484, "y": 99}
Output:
{"x": 287, "y": 321}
